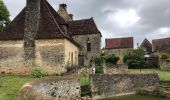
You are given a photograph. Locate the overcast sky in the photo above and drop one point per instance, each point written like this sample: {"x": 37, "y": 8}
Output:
{"x": 116, "y": 18}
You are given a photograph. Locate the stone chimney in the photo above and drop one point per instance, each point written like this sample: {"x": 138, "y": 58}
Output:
{"x": 71, "y": 16}
{"x": 32, "y": 16}
{"x": 64, "y": 6}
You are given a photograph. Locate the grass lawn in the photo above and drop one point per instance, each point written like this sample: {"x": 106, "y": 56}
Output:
{"x": 163, "y": 74}
{"x": 10, "y": 86}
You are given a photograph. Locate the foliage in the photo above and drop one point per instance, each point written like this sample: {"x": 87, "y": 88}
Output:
{"x": 163, "y": 75}
{"x": 38, "y": 73}
{"x": 111, "y": 59}
{"x": 4, "y": 15}
{"x": 85, "y": 90}
{"x": 135, "y": 59}
{"x": 98, "y": 61}
{"x": 166, "y": 69}
{"x": 84, "y": 80}
{"x": 165, "y": 56}
{"x": 99, "y": 70}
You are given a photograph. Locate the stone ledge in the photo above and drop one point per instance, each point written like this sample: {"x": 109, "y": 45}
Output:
{"x": 52, "y": 88}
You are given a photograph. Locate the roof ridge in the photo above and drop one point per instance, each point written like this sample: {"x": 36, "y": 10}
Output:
{"x": 53, "y": 18}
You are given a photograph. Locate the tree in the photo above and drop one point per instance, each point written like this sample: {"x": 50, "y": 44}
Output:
{"x": 135, "y": 59}
{"x": 111, "y": 58}
{"x": 4, "y": 15}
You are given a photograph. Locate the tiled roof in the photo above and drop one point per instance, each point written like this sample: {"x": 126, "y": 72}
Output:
{"x": 162, "y": 45}
{"x": 49, "y": 25}
{"x": 83, "y": 27}
{"x": 119, "y": 43}
{"x": 147, "y": 45}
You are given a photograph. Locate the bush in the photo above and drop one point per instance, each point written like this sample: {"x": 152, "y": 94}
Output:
{"x": 99, "y": 69}
{"x": 111, "y": 59}
{"x": 98, "y": 61}
{"x": 164, "y": 56}
{"x": 135, "y": 59}
{"x": 38, "y": 73}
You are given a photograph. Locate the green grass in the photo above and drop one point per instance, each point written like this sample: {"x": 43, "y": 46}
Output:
{"x": 84, "y": 80}
{"x": 11, "y": 85}
{"x": 164, "y": 75}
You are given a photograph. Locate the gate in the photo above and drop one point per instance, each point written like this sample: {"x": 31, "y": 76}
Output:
{"x": 81, "y": 60}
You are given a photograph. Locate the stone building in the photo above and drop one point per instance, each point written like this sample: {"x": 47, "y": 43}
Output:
{"x": 119, "y": 47}
{"x": 161, "y": 45}
{"x": 147, "y": 46}
{"x": 59, "y": 40}
{"x": 85, "y": 32}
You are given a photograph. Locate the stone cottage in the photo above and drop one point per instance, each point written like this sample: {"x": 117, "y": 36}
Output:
{"x": 119, "y": 46}
{"x": 85, "y": 32}
{"x": 161, "y": 45}
{"x": 59, "y": 40}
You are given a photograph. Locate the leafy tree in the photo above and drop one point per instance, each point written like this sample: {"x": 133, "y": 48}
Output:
{"x": 111, "y": 59}
{"x": 4, "y": 15}
{"x": 135, "y": 59}
{"x": 165, "y": 56}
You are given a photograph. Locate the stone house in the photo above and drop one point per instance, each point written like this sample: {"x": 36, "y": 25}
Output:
{"x": 85, "y": 32}
{"x": 59, "y": 40}
{"x": 147, "y": 46}
{"x": 161, "y": 45}
{"x": 119, "y": 46}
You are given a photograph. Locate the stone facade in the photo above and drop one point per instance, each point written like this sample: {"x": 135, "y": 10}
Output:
{"x": 32, "y": 16}
{"x": 118, "y": 84}
{"x": 52, "y": 88}
{"x": 94, "y": 40}
{"x": 119, "y": 52}
{"x": 52, "y": 53}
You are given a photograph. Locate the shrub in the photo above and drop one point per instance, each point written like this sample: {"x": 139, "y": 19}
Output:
{"x": 1, "y": 81}
{"x": 98, "y": 61}
{"x": 164, "y": 56}
{"x": 111, "y": 59}
{"x": 99, "y": 69}
{"x": 135, "y": 59}
{"x": 38, "y": 73}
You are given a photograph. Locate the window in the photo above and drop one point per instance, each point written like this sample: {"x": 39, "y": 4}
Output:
{"x": 88, "y": 46}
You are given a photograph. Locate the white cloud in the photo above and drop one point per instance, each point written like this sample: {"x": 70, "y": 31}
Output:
{"x": 124, "y": 18}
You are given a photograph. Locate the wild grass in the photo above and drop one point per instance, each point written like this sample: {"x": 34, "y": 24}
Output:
{"x": 11, "y": 85}
{"x": 164, "y": 75}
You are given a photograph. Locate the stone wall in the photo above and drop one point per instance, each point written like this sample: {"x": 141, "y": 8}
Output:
{"x": 95, "y": 40}
{"x": 115, "y": 69}
{"x": 11, "y": 53}
{"x": 164, "y": 64}
{"x": 49, "y": 53}
{"x": 52, "y": 88}
{"x": 119, "y": 52}
{"x": 120, "y": 84}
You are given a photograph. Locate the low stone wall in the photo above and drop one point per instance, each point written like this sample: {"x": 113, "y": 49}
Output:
{"x": 52, "y": 88}
{"x": 120, "y": 84}
{"x": 115, "y": 69}
{"x": 164, "y": 64}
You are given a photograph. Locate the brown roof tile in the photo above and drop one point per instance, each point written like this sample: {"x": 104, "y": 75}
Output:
{"x": 49, "y": 25}
{"x": 119, "y": 43}
{"x": 147, "y": 45}
{"x": 162, "y": 45}
{"x": 83, "y": 27}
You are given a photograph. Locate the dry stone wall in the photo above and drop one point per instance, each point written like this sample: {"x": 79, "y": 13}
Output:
{"x": 52, "y": 88}
{"x": 117, "y": 84}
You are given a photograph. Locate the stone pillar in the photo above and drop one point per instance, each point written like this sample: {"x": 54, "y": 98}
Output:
{"x": 32, "y": 16}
